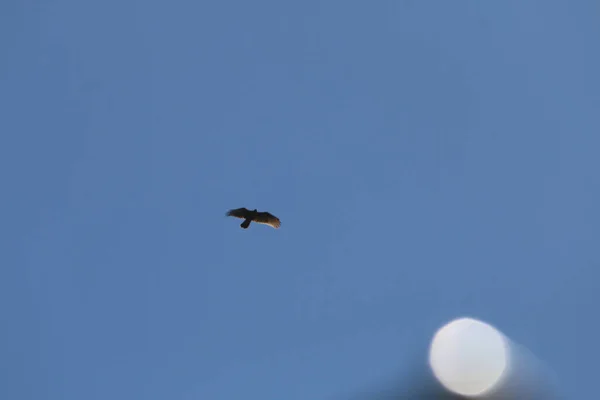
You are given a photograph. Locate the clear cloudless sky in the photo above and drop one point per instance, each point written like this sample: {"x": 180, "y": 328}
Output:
{"x": 428, "y": 160}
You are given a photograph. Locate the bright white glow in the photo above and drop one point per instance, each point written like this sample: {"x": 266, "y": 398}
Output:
{"x": 468, "y": 356}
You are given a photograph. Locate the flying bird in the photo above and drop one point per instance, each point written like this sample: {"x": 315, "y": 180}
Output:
{"x": 254, "y": 216}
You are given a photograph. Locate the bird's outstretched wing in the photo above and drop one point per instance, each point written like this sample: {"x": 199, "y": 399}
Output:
{"x": 267, "y": 219}
{"x": 238, "y": 213}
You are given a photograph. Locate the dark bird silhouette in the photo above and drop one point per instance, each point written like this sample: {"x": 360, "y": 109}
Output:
{"x": 254, "y": 216}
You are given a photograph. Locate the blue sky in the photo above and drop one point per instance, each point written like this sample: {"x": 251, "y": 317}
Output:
{"x": 428, "y": 160}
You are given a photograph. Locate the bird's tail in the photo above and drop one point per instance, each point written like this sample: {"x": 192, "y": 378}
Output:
{"x": 245, "y": 224}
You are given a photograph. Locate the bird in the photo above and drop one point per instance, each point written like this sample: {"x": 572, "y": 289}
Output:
{"x": 254, "y": 216}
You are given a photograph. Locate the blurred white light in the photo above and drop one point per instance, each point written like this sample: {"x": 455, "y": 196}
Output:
{"x": 468, "y": 357}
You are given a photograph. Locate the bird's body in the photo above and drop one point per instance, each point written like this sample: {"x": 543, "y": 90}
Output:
{"x": 254, "y": 216}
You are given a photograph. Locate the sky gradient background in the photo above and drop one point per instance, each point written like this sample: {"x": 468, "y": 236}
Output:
{"x": 428, "y": 160}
